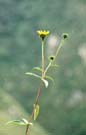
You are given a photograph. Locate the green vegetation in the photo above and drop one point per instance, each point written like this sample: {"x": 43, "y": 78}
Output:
{"x": 10, "y": 109}
{"x": 62, "y": 105}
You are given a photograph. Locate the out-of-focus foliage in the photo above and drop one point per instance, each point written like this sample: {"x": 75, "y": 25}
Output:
{"x": 11, "y": 109}
{"x": 62, "y": 106}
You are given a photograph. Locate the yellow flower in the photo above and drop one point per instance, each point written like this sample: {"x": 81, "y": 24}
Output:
{"x": 42, "y": 33}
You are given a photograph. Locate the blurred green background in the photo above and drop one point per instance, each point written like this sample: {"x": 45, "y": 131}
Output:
{"x": 62, "y": 105}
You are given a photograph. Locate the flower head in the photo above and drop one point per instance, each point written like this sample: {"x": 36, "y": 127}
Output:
{"x": 42, "y": 33}
{"x": 65, "y": 35}
{"x": 51, "y": 58}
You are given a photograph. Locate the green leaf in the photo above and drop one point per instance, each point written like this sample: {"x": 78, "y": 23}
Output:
{"x": 45, "y": 82}
{"x": 55, "y": 65}
{"x": 36, "y": 111}
{"x": 22, "y": 122}
{"x": 50, "y": 78}
{"x": 32, "y": 74}
{"x": 25, "y": 121}
{"x": 38, "y": 68}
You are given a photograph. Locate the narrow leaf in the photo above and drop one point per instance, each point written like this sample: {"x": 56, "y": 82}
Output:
{"x": 25, "y": 121}
{"x": 38, "y": 68}
{"x": 32, "y": 74}
{"x": 36, "y": 111}
{"x": 16, "y": 122}
{"x": 22, "y": 122}
{"x": 55, "y": 65}
{"x": 50, "y": 78}
{"x": 45, "y": 82}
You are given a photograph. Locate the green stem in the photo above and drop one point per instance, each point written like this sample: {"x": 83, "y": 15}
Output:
{"x": 36, "y": 102}
{"x": 49, "y": 65}
{"x": 42, "y": 59}
{"x": 59, "y": 48}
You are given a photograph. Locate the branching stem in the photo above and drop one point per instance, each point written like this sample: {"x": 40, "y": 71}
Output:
{"x": 39, "y": 91}
{"x": 44, "y": 71}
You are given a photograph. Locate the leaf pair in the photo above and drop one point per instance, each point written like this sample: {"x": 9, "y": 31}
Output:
{"x": 44, "y": 80}
{"x": 35, "y": 75}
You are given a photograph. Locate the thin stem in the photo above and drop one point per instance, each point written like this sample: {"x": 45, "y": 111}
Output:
{"x": 58, "y": 49}
{"x": 60, "y": 45}
{"x": 36, "y": 102}
{"x": 39, "y": 90}
{"x": 47, "y": 68}
{"x": 42, "y": 59}
{"x": 38, "y": 93}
